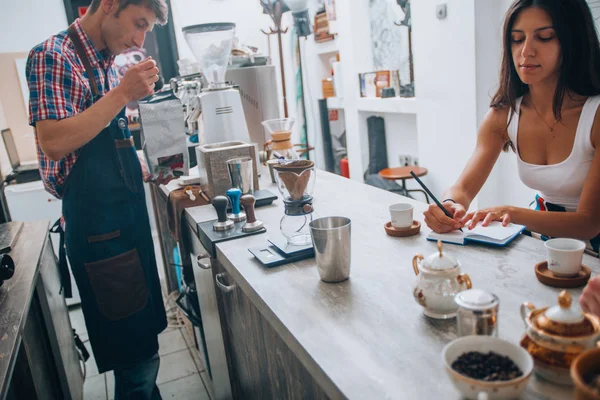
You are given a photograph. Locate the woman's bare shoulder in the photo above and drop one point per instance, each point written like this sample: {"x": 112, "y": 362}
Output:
{"x": 496, "y": 120}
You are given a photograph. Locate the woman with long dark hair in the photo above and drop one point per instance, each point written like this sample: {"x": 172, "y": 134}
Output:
{"x": 545, "y": 110}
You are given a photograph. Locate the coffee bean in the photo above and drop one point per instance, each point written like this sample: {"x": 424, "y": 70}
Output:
{"x": 487, "y": 367}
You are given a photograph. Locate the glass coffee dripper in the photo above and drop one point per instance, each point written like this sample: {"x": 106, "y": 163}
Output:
{"x": 296, "y": 181}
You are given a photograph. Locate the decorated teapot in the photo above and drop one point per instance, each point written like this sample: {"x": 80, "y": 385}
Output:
{"x": 438, "y": 281}
{"x": 556, "y": 335}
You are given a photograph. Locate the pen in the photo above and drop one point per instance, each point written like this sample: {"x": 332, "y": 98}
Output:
{"x": 432, "y": 196}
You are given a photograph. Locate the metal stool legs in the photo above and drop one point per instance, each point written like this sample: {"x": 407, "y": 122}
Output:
{"x": 406, "y": 192}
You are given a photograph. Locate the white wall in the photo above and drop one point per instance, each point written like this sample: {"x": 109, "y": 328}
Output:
{"x": 444, "y": 57}
{"x": 25, "y": 23}
{"x": 356, "y": 55}
{"x": 503, "y": 186}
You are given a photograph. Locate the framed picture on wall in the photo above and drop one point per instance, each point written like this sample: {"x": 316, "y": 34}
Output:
{"x": 331, "y": 16}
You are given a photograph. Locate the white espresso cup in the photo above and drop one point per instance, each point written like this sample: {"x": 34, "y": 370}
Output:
{"x": 402, "y": 215}
{"x": 564, "y": 256}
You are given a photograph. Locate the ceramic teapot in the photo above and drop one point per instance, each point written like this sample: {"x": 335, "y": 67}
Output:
{"x": 438, "y": 281}
{"x": 556, "y": 335}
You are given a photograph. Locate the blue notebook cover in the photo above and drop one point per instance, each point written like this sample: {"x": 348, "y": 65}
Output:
{"x": 494, "y": 234}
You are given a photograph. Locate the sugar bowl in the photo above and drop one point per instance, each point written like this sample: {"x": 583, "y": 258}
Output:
{"x": 556, "y": 335}
{"x": 438, "y": 281}
{"x": 477, "y": 313}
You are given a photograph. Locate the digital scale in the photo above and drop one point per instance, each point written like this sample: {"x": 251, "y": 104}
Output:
{"x": 279, "y": 252}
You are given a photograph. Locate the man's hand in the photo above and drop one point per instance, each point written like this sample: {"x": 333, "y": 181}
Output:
{"x": 139, "y": 80}
{"x": 148, "y": 177}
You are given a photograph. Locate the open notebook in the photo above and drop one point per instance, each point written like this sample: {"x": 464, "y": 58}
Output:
{"x": 494, "y": 234}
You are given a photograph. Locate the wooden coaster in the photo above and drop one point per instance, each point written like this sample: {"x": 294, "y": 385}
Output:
{"x": 546, "y": 276}
{"x": 413, "y": 230}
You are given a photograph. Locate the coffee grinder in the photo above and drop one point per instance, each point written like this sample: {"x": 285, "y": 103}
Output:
{"x": 223, "y": 117}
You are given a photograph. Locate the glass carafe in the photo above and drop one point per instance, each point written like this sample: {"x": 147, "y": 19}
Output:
{"x": 296, "y": 181}
{"x": 280, "y": 131}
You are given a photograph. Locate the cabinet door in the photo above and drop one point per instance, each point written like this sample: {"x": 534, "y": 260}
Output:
{"x": 261, "y": 365}
{"x": 60, "y": 333}
{"x": 210, "y": 340}
{"x": 242, "y": 332}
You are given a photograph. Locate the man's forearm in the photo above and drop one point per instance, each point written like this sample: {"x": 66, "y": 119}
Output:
{"x": 59, "y": 138}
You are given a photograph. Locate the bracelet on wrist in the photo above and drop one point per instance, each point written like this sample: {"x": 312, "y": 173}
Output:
{"x": 449, "y": 200}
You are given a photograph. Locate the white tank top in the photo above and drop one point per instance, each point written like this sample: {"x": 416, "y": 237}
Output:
{"x": 561, "y": 183}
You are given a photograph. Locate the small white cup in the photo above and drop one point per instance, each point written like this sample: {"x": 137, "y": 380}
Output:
{"x": 402, "y": 215}
{"x": 564, "y": 256}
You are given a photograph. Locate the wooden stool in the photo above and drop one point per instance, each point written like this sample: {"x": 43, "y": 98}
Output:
{"x": 402, "y": 174}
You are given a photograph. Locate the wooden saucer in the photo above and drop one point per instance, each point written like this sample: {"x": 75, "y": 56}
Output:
{"x": 546, "y": 276}
{"x": 413, "y": 230}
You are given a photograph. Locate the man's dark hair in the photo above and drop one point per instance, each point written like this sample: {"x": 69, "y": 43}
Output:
{"x": 159, "y": 7}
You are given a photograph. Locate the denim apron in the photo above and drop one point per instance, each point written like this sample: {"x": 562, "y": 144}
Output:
{"x": 109, "y": 244}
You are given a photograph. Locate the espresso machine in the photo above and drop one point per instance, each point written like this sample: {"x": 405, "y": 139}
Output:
{"x": 220, "y": 104}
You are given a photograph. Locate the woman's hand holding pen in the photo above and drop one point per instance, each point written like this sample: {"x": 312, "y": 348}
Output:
{"x": 439, "y": 222}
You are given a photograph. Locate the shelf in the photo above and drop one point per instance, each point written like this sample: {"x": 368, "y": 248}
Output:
{"x": 324, "y": 48}
{"x": 334, "y": 103}
{"x": 395, "y": 105}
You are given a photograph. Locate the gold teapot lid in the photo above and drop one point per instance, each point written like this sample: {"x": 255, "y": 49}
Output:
{"x": 439, "y": 260}
{"x": 564, "y": 319}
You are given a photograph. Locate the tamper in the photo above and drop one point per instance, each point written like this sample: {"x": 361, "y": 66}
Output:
{"x": 220, "y": 205}
{"x": 251, "y": 225}
{"x": 234, "y": 198}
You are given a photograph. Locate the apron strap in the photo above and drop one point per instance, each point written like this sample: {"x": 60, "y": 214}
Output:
{"x": 63, "y": 267}
{"x": 72, "y": 33}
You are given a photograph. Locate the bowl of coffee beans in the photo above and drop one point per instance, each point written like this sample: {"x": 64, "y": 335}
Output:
{"x": 487, "y": 366}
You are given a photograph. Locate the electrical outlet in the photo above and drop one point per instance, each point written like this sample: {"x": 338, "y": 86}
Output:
{"x": 405, "y": 160}
{"x": 441, "y": 11}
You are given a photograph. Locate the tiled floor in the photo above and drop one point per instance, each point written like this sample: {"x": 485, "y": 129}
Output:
{"x": 178, "y": 377}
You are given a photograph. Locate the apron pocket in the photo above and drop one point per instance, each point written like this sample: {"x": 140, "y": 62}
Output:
{"x": 119, "y": 285}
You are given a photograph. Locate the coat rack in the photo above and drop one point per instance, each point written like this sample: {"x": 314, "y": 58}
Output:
{"x": 275, "y": 9}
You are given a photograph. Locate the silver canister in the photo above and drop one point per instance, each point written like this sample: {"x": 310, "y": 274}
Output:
{"x": 332, "y": 238}
{"x": 241, "y": 173}
{"x": 477, "y": 313}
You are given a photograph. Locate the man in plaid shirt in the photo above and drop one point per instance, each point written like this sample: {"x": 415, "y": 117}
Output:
{"x": 87, "y": 158}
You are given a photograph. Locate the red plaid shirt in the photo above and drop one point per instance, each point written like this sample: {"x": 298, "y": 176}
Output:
{"x": 59, "y": 88}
